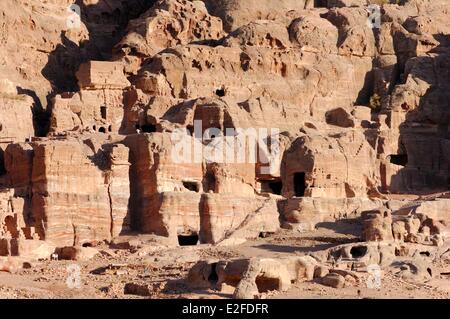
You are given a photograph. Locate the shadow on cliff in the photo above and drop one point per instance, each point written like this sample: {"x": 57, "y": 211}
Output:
{"x": 106, "y": 23}
{"x": 424, "y": 142}
{"x": 40, "y": 117}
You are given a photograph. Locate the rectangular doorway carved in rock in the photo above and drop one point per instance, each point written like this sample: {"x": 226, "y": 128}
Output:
{"x": 401, "y": 159}
{"x": 272, "y": 186}
{"x": 299, "y": 184}
{"x": 148, "y": 128}
{"x": 103, "y": 112}
{"x": 188, "y": 240}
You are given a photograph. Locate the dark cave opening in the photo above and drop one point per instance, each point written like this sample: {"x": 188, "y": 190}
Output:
{"x": 192, "y": 186}
{"x": 103, "y": 112}
{"x": 448, "y": 180}
{"x": 320, "y": 3}
{"x": 188, "y": 240}
{"x": 2, "y": 163}
{"x": 273, "y": 186}
{"x": 209, "y": 182}
{"x": 276, "y": 187}
{"x": 213, "y": 278}
{"x": 400, "y": 159}
{"x": 220, "y": 92}
{"x": 102, "y": 130}
{"x": 299, "y": 184}
{"x": 358, "y": 251}
{"x": 146, "y": 128}
{"x": 265, "y": 284}
{"x": 264, "y": 234}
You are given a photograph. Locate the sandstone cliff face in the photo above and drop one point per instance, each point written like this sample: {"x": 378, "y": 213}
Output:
{"x": 50, "y": 49}
{"x": 73, "y": 191}
{"x": 38, "y": 30}
{"x": 362, "y": 112}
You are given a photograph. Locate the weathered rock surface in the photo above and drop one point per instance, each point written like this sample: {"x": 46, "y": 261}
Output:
{"x": 216, "y": 122}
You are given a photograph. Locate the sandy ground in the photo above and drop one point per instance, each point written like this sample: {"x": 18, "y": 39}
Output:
{"x": 165, "y": 270}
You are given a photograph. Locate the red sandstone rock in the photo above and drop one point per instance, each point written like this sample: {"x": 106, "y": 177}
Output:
{"x": 362, "y": 115}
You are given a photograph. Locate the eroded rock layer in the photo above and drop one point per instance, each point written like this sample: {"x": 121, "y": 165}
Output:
{"x": 120, "y": 125}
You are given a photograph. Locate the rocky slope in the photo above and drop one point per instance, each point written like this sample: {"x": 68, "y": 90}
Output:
{"x": 139, "y": 120}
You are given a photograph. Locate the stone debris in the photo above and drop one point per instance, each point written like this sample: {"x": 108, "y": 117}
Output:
{"x": 8, "y": 265}
{"x": 76, "y": 253}
{"x": 380, "y": 225}
{"x": 129, "y": 138}
{"x": 415, "y": 270}
{"x": 138, "y": 289}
